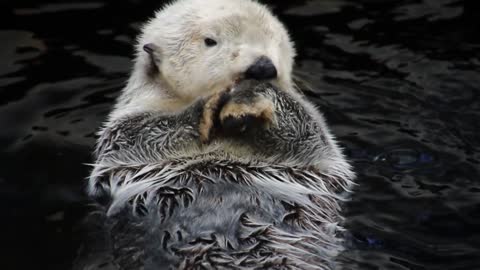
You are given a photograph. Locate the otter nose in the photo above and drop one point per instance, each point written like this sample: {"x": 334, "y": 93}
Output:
{"x": 262, "y": 69}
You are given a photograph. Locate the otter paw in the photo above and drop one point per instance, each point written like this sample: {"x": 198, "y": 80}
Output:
{"x": 211, "y": 110}
{"x": 239, "y": 117}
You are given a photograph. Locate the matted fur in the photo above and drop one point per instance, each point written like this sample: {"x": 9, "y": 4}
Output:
{"x": 265, "y": 198}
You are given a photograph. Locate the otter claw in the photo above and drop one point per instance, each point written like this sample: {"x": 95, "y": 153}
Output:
{"x": 209, "y": 118}
{"x": 234, "y": 115}
{"x": 238, "y": 117}
{"x": 232, "y": 124}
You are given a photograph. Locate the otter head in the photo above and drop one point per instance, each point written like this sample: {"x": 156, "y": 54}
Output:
{"x": 197, "y": 47}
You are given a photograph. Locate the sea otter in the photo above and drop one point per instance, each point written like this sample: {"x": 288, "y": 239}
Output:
{"x": 211, "y": 159}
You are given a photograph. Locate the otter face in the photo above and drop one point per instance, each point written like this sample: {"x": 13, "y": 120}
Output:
{"x": 202, "y": 47}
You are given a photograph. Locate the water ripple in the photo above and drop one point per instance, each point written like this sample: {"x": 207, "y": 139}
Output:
{"x": 398, "y": 82}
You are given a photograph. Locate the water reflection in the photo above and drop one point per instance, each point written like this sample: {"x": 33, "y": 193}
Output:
{"x": 398, "y": 81}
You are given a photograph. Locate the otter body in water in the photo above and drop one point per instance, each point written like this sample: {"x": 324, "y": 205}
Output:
{"x": 246, "y": 175}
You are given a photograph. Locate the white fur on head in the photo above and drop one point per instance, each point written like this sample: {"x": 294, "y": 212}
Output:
{"x": 243, "y": 29}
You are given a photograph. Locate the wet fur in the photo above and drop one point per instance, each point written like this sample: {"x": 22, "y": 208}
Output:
{"x": 240, "y": 177}
{"x": 269, "y": 198}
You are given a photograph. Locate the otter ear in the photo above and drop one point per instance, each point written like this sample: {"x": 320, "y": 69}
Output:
{"x": 153, "y": 52}
{"x": 149, "y": 48}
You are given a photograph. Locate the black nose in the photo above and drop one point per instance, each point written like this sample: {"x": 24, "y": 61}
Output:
{"x": 262, "y": 69}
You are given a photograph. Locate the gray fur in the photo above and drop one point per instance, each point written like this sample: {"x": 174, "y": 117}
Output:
{"x": 267, "y": 199}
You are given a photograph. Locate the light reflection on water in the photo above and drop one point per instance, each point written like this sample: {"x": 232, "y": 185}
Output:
{"x": 399, "y": 82}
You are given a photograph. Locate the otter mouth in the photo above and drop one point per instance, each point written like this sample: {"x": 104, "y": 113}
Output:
{"x": 244, "y": 83}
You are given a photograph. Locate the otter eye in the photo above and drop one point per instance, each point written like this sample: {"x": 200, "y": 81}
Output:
{"x": 210, "y": 42}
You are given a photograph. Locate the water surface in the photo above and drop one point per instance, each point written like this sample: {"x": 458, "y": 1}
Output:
{"x": 398, "y": 81}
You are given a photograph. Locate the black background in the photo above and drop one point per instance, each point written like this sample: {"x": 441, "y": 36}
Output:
{"x": 399, "y": 82}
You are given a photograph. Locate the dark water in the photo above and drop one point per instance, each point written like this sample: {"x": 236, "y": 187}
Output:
{"x": 399, "y": 82}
